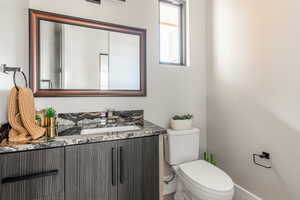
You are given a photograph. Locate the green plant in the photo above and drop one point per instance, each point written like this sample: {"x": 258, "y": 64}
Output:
{"x": 50, "y": 112}
{"x": 38, "y": 117}
{"x": 183, "y": 117}
{"x": 209, "y": 157}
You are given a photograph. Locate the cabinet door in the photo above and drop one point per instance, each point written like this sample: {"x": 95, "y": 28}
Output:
{"x": 91, "y": 172}
{"x": 138, "y": 169}
{"x": 33, "y": 175}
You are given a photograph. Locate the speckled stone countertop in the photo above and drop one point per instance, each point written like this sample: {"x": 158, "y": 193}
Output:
{"x": 71, "y": 136}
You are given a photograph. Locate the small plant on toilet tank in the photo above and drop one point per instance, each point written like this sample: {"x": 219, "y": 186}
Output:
{"x": 182, "y": 122}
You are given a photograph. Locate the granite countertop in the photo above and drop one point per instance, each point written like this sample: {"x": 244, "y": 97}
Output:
{"x": 70, "y": 135}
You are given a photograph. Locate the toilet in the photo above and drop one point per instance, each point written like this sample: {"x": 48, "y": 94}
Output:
{"x": 196, "y": 179}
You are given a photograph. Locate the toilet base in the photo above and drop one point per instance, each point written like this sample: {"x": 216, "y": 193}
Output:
{"x": 184, "y": 193}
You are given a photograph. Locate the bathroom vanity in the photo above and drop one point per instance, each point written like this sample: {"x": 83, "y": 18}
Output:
{"x": 107, "y": 166}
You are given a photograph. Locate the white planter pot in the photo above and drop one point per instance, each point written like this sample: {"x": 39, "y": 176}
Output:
{"x": 181, "y": 124}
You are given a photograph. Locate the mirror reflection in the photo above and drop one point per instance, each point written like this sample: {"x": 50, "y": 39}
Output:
{"x": 76, "y": 57}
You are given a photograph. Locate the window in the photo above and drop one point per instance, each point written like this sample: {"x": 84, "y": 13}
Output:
{"x": 172, "y": 32}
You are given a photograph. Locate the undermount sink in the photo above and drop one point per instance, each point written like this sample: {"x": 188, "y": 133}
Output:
{"x": 109, "y": 130}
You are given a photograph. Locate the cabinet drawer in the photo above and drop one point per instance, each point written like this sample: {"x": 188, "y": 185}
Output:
{"x": 33, "y": 175}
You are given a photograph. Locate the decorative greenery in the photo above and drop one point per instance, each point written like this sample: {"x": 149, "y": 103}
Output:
{"x": 38, "y": 117}
{"x": 183, "y": 117}
{"x": 50, "y": 112}
{"x": 209, "y": 157}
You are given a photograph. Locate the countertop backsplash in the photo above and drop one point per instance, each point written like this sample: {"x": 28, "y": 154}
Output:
{"x": 71, "y": 123}
{"x": 130, "y": 117}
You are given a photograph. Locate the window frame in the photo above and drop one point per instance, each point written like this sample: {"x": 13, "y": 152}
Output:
{"x": 182, "y": 38}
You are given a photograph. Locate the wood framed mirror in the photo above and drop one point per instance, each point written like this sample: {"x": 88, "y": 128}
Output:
{"x": 70, "y": 56}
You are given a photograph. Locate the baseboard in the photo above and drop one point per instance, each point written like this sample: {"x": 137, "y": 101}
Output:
{"x": 240, "y": 193}
{"x": 243, "y": 194}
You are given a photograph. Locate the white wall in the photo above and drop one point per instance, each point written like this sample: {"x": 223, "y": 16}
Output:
{"x": 13, "y": 48}
{"x": 254, "y": 85}
{"x": 14, "y": 22}
{"x": 5, "y": 85}
{"x": 170, "y": 89}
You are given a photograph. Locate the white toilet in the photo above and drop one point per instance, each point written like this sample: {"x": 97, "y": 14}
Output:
{"x": 196, "y": 179}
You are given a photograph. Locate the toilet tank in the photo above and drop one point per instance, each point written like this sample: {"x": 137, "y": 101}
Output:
{"x": 182, "y": 146}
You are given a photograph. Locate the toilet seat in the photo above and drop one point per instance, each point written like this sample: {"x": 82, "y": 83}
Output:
{"x": 205, "y": 180}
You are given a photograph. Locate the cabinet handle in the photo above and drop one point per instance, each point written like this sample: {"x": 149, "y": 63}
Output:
{"x": 114, "y": 165}
{"x": 122, "y": 166}
{"x": 29, "y": 177}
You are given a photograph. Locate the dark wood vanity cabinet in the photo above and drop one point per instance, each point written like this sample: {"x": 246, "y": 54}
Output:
{"x": 32, "y": 175}
{"x": 120, "y": 170}
{"x": 91, "y": 171}
{"x": 115, "y": 170}
{"x": 138, "y": 169}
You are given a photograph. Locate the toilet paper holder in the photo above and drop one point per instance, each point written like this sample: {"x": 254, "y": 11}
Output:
{"x": 263, "y": 155}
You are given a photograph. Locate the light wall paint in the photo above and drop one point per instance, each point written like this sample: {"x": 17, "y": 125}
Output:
{"x": 171, "y": 89}
{"x": 253, "y": 93}
{"x": 5, "y": 85}
{"x": 13, "y": 34}
{"x": 13, "y": 45}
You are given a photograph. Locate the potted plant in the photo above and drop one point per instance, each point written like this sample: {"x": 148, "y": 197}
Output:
{"x": 209, "y": 157}
{"x": 182, "y": 122}
{"x": 50, "y": 114}
{"x": 38, "y": 120}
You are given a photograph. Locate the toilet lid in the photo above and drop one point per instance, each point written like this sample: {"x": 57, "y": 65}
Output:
{"x": 206, "y": 175}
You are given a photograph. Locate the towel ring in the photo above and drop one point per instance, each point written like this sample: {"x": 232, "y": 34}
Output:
{"x": 15, "y": 82}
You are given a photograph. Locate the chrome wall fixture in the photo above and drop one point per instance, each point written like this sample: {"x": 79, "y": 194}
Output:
{"x": 4, "y": 69}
